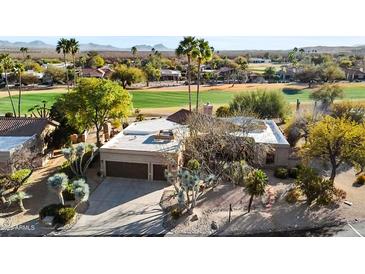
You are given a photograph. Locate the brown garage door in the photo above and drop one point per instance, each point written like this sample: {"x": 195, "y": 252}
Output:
{"x": 159, "y": 172}
{"x": 127, "y": 170}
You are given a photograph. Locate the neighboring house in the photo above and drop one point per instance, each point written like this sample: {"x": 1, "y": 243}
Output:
{"x": 141, "y": 150}
{"x": 103, "y": 72}
{"x": 259, "y": 61}
{"x": 23, "y": 142}
{"x": 287, "y": 73}
{"x": 170, "y": 75}
{"x": 353, "y": 74}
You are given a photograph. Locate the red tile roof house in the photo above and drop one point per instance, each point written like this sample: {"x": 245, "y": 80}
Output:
{"x": 23, "y": 142}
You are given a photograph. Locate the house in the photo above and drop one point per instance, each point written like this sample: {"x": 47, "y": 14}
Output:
{"x": 259, "y": 61}
{"x": 353, "y": 74}
{"x": 170, "y": 75}
{"x": 23, "y": 141}
{"x": 141, "y": 150}
{"x": 92, "y": 72}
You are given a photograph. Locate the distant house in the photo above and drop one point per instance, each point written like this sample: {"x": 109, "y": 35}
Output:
{"x": 103, "y": 72}
{"x": 353, "y": 74}
{"x": 23, "y": 141}
{"x": 259, "y": 61}
{"x": 170, "y": 75}
{"x": 287, "y": 73}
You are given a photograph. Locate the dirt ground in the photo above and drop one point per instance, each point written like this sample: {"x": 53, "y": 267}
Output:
{"x": 270, "y": 212}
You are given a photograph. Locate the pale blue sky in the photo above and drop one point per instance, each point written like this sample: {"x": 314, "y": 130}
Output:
{"x": 218, "y": 42}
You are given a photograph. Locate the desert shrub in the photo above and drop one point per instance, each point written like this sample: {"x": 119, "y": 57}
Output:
{"x": 293, "y": 172}
{"x": 193, "y": 164}
{"x": 352, "y": 111}
{"x": 20, "y": 175}
{"x": 140, "y": 117}
{"x": 281, "y": 172}
{"x": 293, "y": 195}
{"x": 340, "y": 194}
{"x": 64, "y": 215}
{"x": 50, "y": 210}
{"x": 360, "y": 180}
{"x": 175, "y": 213}
{"x": 9, "y": 114}
{"x": 263, "y": 104}
{"x": 223, "y": 111}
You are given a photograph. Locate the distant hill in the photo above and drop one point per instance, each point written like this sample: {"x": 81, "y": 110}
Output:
{"x": 336, "y": 49}
{"x": 37, "y": 44}
{"x": 158, "y": 47}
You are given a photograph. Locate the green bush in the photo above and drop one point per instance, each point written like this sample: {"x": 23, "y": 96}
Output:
{"x": 360, "y": 180}
{"x": 175, "y": 213}
{"x": 193, "y": 164}
{"x": 64, "y": 215}
{"x": 65, "y": 168}
{"x": 293, "y": 172}
{"x": 68, "y": 193}
{"x": 281, "y": 172}
{"x": 50, "y": 210}
{"x": 293, "y": 196}
{"x": 223, "y": 111}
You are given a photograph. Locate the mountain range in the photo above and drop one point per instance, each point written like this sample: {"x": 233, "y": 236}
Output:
{"x": 37, "y": 44}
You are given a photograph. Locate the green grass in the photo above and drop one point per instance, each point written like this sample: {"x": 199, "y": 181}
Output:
{"x": 162, "y": 99}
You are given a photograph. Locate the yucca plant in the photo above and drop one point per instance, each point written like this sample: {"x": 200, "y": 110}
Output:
{"x": 18, "y": 198}
{"x": 81, "y": 191}
{"x": 58, "y": 184}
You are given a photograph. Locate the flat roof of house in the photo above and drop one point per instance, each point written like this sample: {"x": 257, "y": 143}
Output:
{"x": 8, "y": 143}
{"x": 152, "y": 126}
{"x": 271, "y": 134}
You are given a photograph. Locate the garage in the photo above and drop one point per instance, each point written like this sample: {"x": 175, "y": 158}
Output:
{"x": 127, "y": 170}
{"x": 159, "y": 172}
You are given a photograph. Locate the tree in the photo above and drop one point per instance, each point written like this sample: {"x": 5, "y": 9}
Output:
{"x": 81, "y": 191}
{"x": 335, "y": 140}
{"x": 24, "y": 51}
{"x": 349, "y": 110}
{"x": 202, "y": 53}
{"x": 94, "y": 101}
{"x": 74, "y": 49}
{"x": 255, "y": 185}
{"x": 7, "y": 64}
{"x": 331, "y": 72}
{"x": 55, "y": 74}
{"x": 292, "y": 56}
{"x": 326, "y": 95}
{"x": 58, "y": 184}
{"x": 127, "y": 75}
{"x": 18, "y": 198}
{"x": 185, "y": 48}
{"x": 308, "y": 74}
{"x": 77, "y": 158}
{"x": 152, "y": 73}
{"x": 95, "y": 60}
{"x": 63, "y": 46}
{"x": 269, "y": 73}
{"x": 263, "y": 104}
{"x": 134, "y": 51}
{"x": 18, "y": 70}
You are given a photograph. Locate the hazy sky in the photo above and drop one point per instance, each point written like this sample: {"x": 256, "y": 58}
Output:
{"x": 219, "y": 43}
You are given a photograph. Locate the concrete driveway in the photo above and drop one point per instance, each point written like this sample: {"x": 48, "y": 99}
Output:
{"x": 121, "y": 207}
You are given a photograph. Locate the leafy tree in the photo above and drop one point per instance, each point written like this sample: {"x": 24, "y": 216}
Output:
{"x": 255, "y": 185}
{"x": 7, "y": 65}
{"x": 345, "y": 63}
{"x": 55, "y": 74}
{"x": 308, "y": 74}
{"x": 349, "y": 110}
{"x": 335, "y": 140}
{"x": 63, "y": 46}
{"x": 127, "y": 75}
{"x": 242, "y": 62}
{"x": 185, "y": 48}
{"x": 95, "y": 61}
{"x": 331, "y": 72}
{"x": 24, "y": 51}
{"x": 94, "y": 101}
{"x": 326, "y": 95}
{"x": 134, "y": 51}
{"x": 264, "y": 104}
{"x": 202, "y": 53}
{"x": 74, "y": 47}
{"x": 58, "y": 184}
{"x": 269, "y": 73}
{"x": 152, "y": 73}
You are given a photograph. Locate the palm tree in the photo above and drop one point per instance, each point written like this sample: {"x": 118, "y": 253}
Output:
{"x": 58, "y": 184}
{"x": 63, "y": 46}
{"x": 202, "y": 53}
{"x": 185, "y": 48}
{"x": 134, "y": 51}
{"x": 7, "y": 65}
{"x": 74, "y": 48}
{"x": 255, "y": 184}
{"x": 24, "y": 51}
{"x": 18, "y": 198}
{"x": 18, "y": 70}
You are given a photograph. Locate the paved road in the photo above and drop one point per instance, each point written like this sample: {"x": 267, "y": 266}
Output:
{"x": 121, "y": 207}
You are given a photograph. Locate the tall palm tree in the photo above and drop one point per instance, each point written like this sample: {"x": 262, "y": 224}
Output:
{"x": 7, "y": 65}
{"x": 63, "y": 46}
{"x": 24, "y": 50}
{"x": 185, "y": 48}
{"x": 18, "y": 69}
{"x": 202, "y": 53}
{"x": 74, "y": 49}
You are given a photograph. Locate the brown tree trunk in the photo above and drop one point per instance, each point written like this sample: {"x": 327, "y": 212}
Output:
{"x": 98, "y": 143}
{"x": 64, "y": 60}
{"x": 20, "y": 92}
{"x": 11, "y": 98}
{"x": 198, "y": 88}
{"x": 250, "y": 204}
{"x": 189, "y": 81}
